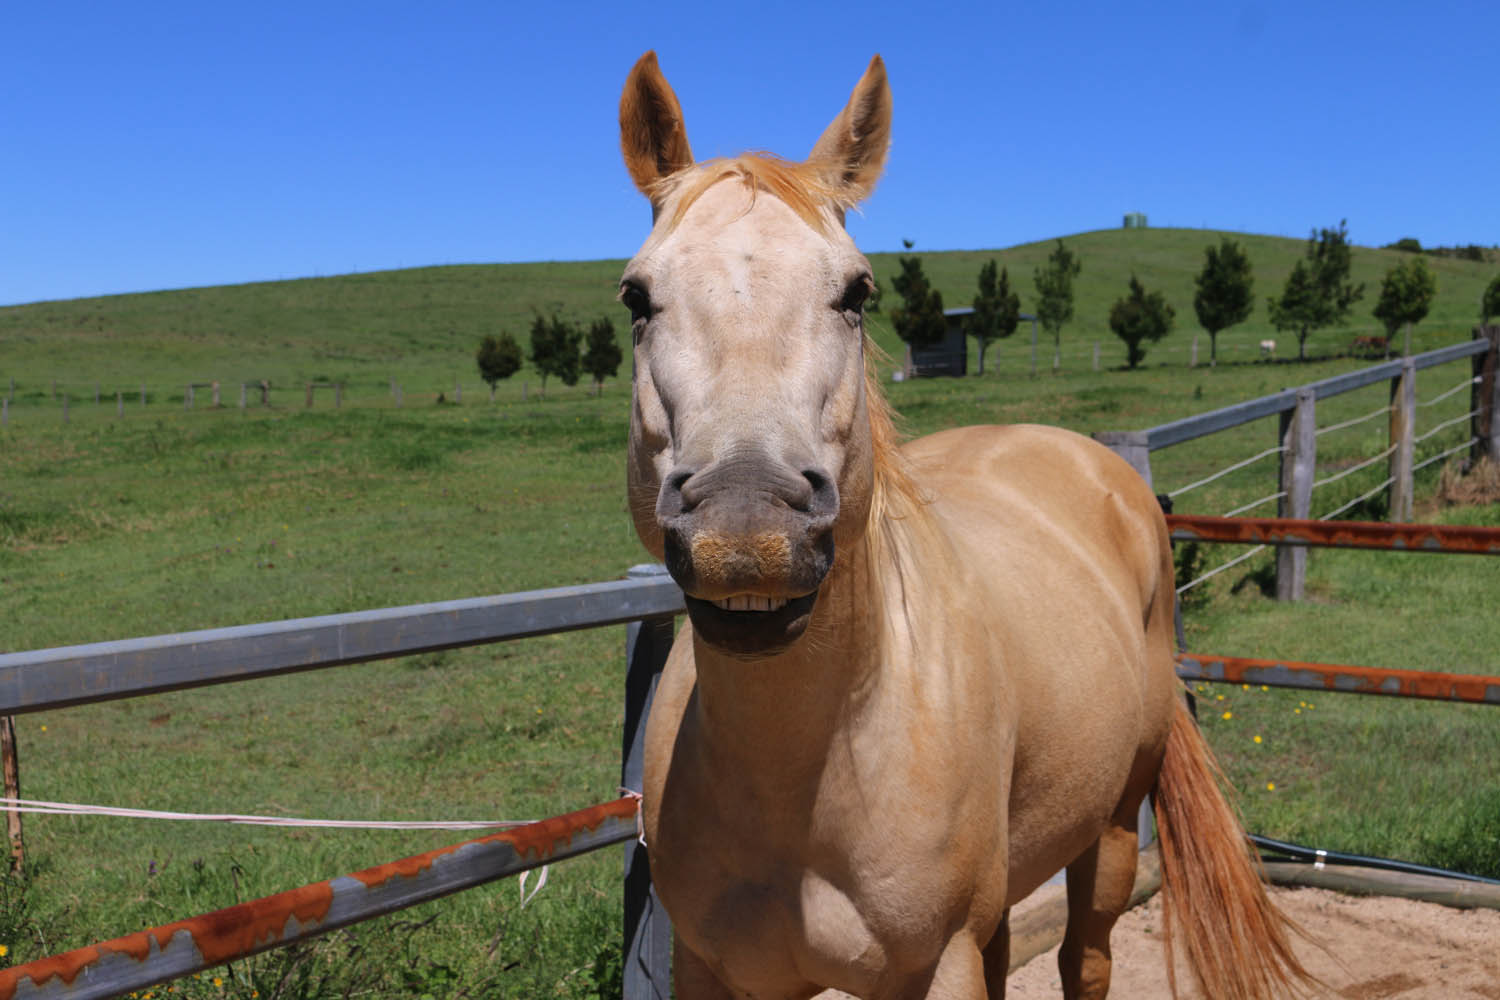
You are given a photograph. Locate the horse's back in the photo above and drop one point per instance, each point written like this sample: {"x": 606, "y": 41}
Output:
{"x": 1066, "y": 559}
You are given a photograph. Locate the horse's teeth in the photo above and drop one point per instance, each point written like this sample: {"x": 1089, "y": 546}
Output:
{"x": 750, "y": 602}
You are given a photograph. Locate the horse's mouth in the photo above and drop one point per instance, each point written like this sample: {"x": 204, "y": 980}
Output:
{"x": 750, "y": 602}
{"x": 750, "y": 626}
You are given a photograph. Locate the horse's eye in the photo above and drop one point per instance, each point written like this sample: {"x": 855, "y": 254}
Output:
{"x": 636, "y": 300}
{"x": 856, "y": 294}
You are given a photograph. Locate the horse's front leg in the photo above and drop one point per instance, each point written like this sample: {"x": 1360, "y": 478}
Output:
{"x": 958, "y": 975}
{"x": 692, "y": 979}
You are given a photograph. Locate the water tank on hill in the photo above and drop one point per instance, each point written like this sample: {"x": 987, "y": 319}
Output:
{"x": 1135, "y": 220}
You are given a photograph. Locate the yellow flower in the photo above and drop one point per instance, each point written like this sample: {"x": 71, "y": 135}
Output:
{"x": 1296, "y": 711}
{"x": 1244, "y": 687}
{"x": 1264, "y": 688}
{"x": 1227, "y": 715}
{"x": 218, "y": 982}
{"x": 1220, "y": 697}
{"x": 1257, "y": 737}
{"x": 4, "y": 950}
{"x": 44, "y": 729}
{"x": 1270, "y": 786}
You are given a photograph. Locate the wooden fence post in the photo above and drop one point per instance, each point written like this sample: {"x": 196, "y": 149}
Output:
{"x": 10, "y": 765}
{"x": 65, "y": 407}
{"x": 242, "y": 397}
{"x": 143, "y": 394}
{"x": 338, "y": 395}
{"x": 1131, "y": 446}
{"x": 398, "y": 397}
{"x": 216, "y": 393}
{"x": 119, "y": 403}
{"x": 1402, "y": 433}
{"x": 96, "y": 393}
{"x": 458, "y": 393}
{"x": 5, "y": 412}
{"x": 1096, "y": 355}
{"x": 1298, "y": 467}
{"x": 308, "y": 404}
{"x": 1484, "y": 400}
{"x": 187, "y": 398}
{"x": 648, "y": 930}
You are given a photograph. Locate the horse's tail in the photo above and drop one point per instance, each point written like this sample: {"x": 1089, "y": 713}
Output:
{"x": 1235, "y": 940}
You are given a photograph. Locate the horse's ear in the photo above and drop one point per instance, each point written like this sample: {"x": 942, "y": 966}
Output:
{"x": 652, "y": 135}
{"x": 855, "y": 144}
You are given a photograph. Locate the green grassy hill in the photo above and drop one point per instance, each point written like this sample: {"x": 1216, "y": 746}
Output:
{"x": 421, "y": 326}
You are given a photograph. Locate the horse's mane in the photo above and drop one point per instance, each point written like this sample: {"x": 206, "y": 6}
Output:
{"x": 803, "y": 186}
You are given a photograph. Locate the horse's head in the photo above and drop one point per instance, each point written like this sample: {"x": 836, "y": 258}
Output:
{"x": 750, "y": 442}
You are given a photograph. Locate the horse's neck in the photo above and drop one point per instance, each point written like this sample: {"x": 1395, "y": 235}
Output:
{"x": 781, "y": 713}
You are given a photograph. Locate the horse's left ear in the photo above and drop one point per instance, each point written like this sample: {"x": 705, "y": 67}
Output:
{"x": 855, "y": 144}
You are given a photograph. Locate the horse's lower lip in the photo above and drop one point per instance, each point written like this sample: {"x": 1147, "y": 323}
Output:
{"x": 751, "y": 634}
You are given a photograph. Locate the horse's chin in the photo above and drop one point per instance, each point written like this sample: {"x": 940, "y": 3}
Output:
{"x": 750, "y": 634}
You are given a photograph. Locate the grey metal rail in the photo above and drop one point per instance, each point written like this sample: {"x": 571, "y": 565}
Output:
{"x": 42, "y": 679}
{"x": 1188, "y": 428}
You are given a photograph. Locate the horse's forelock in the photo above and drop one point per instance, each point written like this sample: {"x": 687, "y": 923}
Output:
{"x": 801, "y": 186}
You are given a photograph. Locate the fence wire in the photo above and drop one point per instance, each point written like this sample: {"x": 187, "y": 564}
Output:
{"x": 1226, "y": 471}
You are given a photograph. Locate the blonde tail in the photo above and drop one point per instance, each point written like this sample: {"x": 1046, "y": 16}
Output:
{"x": 1234, "y": 939}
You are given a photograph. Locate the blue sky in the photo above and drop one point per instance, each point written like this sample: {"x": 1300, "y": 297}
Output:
{"x": 157, "y": 145}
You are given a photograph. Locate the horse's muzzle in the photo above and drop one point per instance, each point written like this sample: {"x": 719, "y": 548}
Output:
{"x": 749, "y": 540}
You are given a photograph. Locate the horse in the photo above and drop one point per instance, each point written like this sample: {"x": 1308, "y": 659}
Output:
{"x": 917, "y": 679}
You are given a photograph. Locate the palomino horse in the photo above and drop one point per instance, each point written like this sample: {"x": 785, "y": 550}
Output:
{"x": 917, "y": 680}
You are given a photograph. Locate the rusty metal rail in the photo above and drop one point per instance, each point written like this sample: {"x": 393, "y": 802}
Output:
{"x": 1335, "y": 534}
{"x": 1335, "y": 677}
{"x": 187, "y": 946}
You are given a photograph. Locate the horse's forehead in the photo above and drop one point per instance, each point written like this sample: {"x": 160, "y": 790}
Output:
{"x": 731, "y": 228}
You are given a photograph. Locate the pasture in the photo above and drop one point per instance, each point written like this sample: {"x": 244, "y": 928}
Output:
{"x": 168, "y": 519}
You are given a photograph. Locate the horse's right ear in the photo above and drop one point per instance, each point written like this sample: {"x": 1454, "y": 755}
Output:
{"x": 652, "y": 135}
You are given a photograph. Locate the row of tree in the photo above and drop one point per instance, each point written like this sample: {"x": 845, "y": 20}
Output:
{"x": 1317, "y": 294}
{"x": 557, "y": 348}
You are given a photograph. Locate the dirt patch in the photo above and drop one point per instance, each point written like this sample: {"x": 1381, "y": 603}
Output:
{"x": 1376, "y": 947}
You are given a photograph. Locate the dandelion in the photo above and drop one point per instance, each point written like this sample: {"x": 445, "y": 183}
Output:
{"x": 4, "y": 950}
{"x": 218, "y": 982}
{"x": 1270, "y": 786}
{"x": 1264, "y": 688}
{"x": 1219, "y": 697}
{"x": 44, "y": 729}
{"x": 1257, "y": 737}
{"x": 1296, "y": 711}
{"x": 1227, "y": 715}
{"x": 1244, "y": 687}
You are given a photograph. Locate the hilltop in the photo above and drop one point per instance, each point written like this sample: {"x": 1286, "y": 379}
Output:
{"x": 422, "y": 325}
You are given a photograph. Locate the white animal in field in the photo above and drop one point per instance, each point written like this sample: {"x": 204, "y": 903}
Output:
{"x": 1267, "y": 348}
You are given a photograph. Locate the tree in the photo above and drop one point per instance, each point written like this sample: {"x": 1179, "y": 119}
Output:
{"x": 1226, "y": 291}
{"x": 498, "y": 358}
{"x": 1054, "y": 287}
{"x": 1489, "y": 304}
{"x": 1318, "y": 292}
{"x": 1406, "y": 294}
{"x": 1138, "y": 317}
{"x": 919, "y": 319}
{"x": 554, "y": 349}
{"x": 997, "y": 310}
{"x": 603, "y": 355}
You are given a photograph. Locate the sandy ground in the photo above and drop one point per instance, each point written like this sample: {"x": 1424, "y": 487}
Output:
{"x": 1377, "y": 947}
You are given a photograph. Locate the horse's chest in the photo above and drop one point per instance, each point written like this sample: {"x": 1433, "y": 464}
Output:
{"x": 772, "y": 918}
{"x": 774, "y": 932}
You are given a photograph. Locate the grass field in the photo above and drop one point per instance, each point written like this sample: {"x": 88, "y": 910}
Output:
{"x": 169, "y": 519}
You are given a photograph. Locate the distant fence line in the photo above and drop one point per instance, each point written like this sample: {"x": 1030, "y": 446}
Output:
{"x": 254, "y": 392}
{"x": 1297, "y": 433}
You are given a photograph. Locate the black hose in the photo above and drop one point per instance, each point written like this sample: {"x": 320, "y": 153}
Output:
{"x": 1299, "y": 853}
